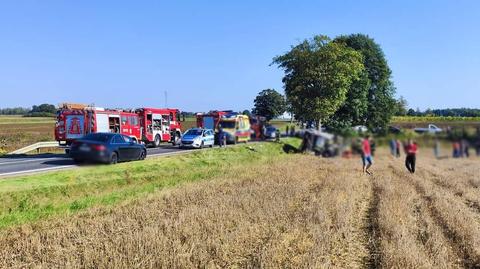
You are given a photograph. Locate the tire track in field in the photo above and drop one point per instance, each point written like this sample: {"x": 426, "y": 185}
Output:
{"x": 466, "y": 255}
{"x": 422, "y": 218}
{"x": 435, "y": 179}
{"x": 372, "y": 227}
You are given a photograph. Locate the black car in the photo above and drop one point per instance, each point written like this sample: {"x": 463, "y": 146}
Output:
{"x": 106, "y": 148}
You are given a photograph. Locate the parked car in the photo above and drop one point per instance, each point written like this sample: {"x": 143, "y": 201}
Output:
{"x": 270, "y": 132}
{"x": 107, "y": 148}
{"x": 198, "y": 138}
{"x": 394, "y": 129}
{"x": 432, "y": 129}
{"x": 360, "y": 129}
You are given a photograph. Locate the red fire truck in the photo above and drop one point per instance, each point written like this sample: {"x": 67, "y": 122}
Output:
{"x": 160, "y": 125}
{"x": 149, "y": 125}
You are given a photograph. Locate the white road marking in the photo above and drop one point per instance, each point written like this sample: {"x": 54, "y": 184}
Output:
{"x": 37, "y": 170}
{"x": 30, "y": 161}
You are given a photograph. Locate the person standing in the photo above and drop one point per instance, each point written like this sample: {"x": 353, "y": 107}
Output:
{"x": 411, "y": 149}
{"x": 367, "y": 155}
{"x": 399, "y": 146}
{"x": 436, "y": 149}
{"x": 373, "y": 147}
{"x": 456, "y": 149}
{"x": 221, "y": 136}
{"x": 393, "y": 147}
{"x": 286, "y": 133}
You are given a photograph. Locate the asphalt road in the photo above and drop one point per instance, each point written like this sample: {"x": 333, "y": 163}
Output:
{"x": 30, "y": 164}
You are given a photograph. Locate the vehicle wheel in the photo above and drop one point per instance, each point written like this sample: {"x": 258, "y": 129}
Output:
{"x": 176, "y": 139}
{"x": 157, "y": 141}
{"x": 143, "y": 155}
{"x": 211, "y": 146}
{"x": 114, "y": 158}
{"x": 77, "y": 160}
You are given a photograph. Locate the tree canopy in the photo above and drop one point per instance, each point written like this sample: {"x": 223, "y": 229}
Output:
{"x": 318, "y": 76}
{"x": 380, "y": 91}
{"x": 270, "y": 104}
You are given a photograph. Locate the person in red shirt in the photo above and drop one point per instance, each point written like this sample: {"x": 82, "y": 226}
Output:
{"x": 411, "y": 150}
{"x": 367, "y": 155}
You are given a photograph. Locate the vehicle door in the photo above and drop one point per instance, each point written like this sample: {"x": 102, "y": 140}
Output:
{"x": 210, "y": 138}
{"x": 125, "y": 125}
{"x": 166, "y": 128}
{"x": 119, "y": 143}
{"x": 135, "y": 127}
{"x": 133, "y": 150}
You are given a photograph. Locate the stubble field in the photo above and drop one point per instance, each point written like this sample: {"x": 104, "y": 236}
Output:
{"x": 298, "y": 211}
{"x": 17, "y": 132}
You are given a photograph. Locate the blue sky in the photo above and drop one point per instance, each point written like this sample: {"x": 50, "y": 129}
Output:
{"x": 217, "y": 54}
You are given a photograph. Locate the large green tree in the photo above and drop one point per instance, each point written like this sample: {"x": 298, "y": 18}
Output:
{"x": 270, "y": 104}
{"x": 318, "y": 76}
{"x": 380, "y": 96}
{"x": 354, "y": 109}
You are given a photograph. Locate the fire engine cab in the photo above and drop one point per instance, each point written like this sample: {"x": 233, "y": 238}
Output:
{"x": 160, "y": 125}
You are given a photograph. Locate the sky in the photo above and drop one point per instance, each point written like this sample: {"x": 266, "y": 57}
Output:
{"x": 217, "y": 54}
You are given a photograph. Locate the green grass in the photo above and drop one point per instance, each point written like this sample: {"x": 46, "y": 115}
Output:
{"x": 17, "y": 119}
{"x": 31, "y": 198}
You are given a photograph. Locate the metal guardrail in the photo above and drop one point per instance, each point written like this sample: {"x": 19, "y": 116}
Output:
{"x": 36, "y": 146}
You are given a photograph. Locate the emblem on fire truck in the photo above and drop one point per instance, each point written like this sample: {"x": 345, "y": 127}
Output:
{"x": 74, "y": 127}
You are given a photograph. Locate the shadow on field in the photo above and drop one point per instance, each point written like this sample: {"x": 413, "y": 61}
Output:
{"x": 289, "y": 149}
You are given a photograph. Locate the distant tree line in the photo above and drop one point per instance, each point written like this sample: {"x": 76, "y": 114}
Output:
{"x": 14, "y": 111}
{"x": 448, "y": 112}
{"x": 401, "y": 109}
{"x": 43, "y": 110}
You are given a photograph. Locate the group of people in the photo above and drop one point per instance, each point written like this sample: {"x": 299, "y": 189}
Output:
{"x": 461, "y": 149}
{"x": 290, "y": 131}
{"x": 410, "y": 148}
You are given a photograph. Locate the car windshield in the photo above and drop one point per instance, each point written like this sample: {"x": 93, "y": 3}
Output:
{"x": 98, "y": 137}
{"x": 195, "y": 132}
{"x": 228, "y": 124}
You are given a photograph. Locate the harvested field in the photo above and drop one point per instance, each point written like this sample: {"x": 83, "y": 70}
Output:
{"x": 296, "y": 212}
{"x": 17, "y": 132}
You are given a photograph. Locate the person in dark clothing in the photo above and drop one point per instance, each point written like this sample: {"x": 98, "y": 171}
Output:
{"x": 411, "y": 150}
{"x": 221, "y": 136}
{"x": 399, "y": 145}
{"x": 287, "y": 133}
{"x": 373, "y": 147}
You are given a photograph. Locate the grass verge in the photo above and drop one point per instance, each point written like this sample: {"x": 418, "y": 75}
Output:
{"x": 30, "y": 198}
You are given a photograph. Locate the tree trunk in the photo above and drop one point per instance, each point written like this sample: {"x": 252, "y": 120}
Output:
{"x": 319, "y": 124}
